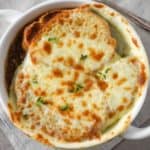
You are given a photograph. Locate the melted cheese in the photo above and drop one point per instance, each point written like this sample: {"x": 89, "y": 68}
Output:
{"x": 72, "y": 85}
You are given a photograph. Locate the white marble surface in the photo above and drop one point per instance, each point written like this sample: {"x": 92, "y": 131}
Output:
{"x": 140, "y": 7}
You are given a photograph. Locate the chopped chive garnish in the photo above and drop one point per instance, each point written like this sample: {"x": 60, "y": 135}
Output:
{"x": 53, "y": 39}
{"x": 64, "y": 107}
{"x": 103, "y": 75}
{"x": 107, "y": 70}
{"x": 40, "y": 101}
{"x": 77, "y": 87}
{"x": 34, "y": 81}
{"x": 83, "y": 57}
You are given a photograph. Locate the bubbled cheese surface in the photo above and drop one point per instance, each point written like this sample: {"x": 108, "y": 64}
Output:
{"x": 71, "y": 86}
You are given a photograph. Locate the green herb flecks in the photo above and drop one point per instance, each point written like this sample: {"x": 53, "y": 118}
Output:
{"x": 107, "y": 70}
{"x": 83, "y": 57}
{"x": 25, "y": 116}
{"x": 53, "y": 39}
{"x": 64, "y": 107}
{"x": 35, "y": 81}
{"x": 103, "y": 75}
{"x": 77, "y": 87}
{"x": 40, "y": 101}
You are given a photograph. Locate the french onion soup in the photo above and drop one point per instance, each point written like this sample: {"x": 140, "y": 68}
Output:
{"x": 70, "y": 77}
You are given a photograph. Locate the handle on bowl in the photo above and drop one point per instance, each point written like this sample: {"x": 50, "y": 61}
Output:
{"x": 134, "y": 133}
{"x": 10, "y": 15}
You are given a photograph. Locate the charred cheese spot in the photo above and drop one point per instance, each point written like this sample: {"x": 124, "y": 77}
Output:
{"x": 80, "y": 45}
{"x": 86, "y": 113}
{"x": 142, "y": 76}
{"x": 125, "y": 100}
{"x": 40, "y": 92}
{"x": 102, "y": 85}
{"x": 115, "y": 76}
{"x": 59, "y": 91}
{"x": 121, "y": 81}
{"x": 77, "y": 34}
{"x": 22, "y": 100}
{"x": 96, "y": 56}
{"x": 120, "y": 108}
{"x": 79, "y": 94}
{"x": 40, "y": 138}
{"x": 111, "y": 114}
{"x": 78, "y": 117}
{"x": 88, "y": 84}
{"x": 50, "y": 102}
{"x": 16, "y": 116}
{"x": 95, "y": 106}
{"x": 57, "y": 73}
{"x": 76, "y": 76}
{"x": 78, "y": 67}
{"x": 34, "y": 57}
{"x": 32, "y": 127}
{"x": 99, "y": 5}
{"x": 67, "y": 83}
{"x": 21, "y": 76}
{"x": 47, "y": 47}
{"x": 61, "y": 21}
{"x": 63, "y": 34}
{"x": 67, "y": 121}
{"x": 70, "y": 61}
{"x": 112, "y": 13}
{"x": 84, "y": 103}
{"x": 60, "y": 59}
{"x": 93, "y": 36}
{"x": 112, "y": 42}
{"x": 133, "y": 60}
{"x": 60, "y": 44}
{"x": 127, "y": 88}
{"x": 135, "y": 42}
{"x": 96, "y": 118}
{"x": 26, "y": 86}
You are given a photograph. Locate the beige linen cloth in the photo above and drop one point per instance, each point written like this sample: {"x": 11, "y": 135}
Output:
{"x": 20, "y": 141}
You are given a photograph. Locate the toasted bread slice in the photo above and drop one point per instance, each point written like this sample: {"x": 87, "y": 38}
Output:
{"x": 32, "y": 29}
{"x": 69, "y": 33}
